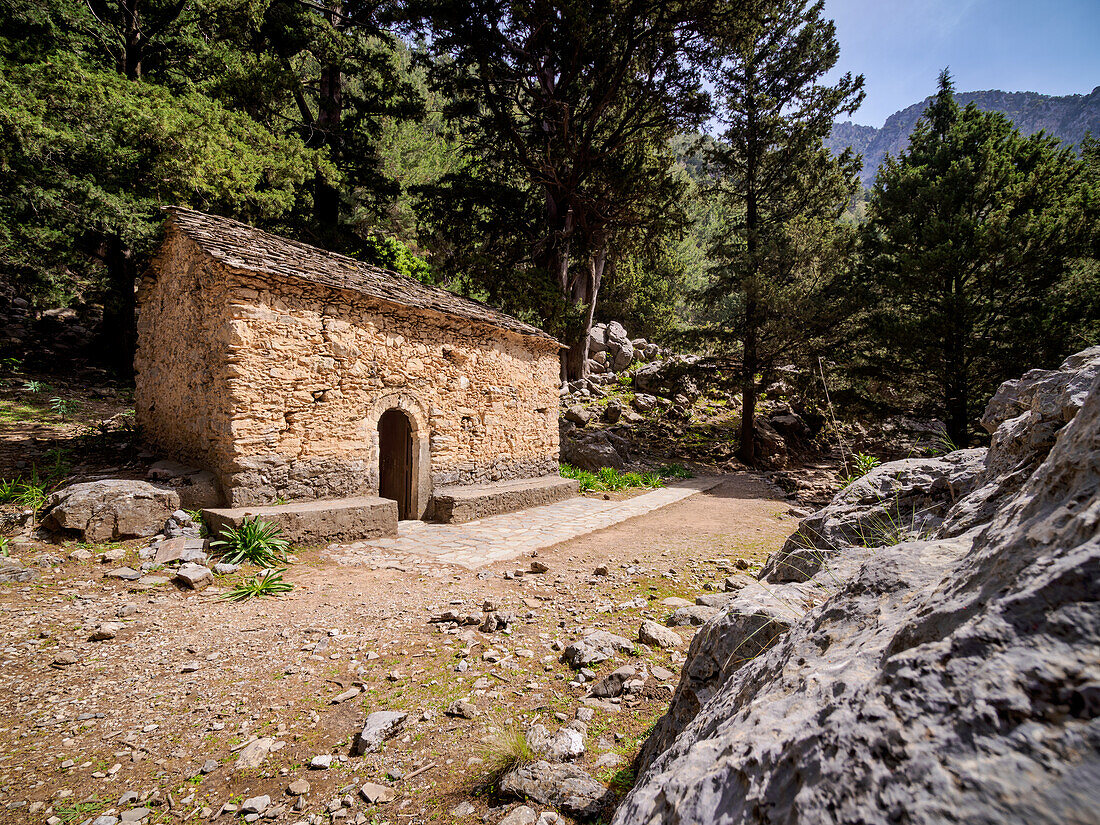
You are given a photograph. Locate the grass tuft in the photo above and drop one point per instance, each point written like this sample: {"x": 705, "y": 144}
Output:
{"x": 506, "y": 750}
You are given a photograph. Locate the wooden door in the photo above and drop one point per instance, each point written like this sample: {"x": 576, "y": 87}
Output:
{"x": 395, "y": 461}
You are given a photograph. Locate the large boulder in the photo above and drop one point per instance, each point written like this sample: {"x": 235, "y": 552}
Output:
{"x": 895, "y": 501}
{"x": 593, "y": 450}
{"x": 562, "y": 786}
{"x": 111, "y": 509}
{"x": 1024, "y": 417}
{"x": 949, "y": 679}
{"x": 597, "y": 339}
{"x": 752, "y": 621}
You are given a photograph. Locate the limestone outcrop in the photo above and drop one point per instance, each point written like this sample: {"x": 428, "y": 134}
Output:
{"x": 111, "y": 509}
{"x": 951, "y": 678}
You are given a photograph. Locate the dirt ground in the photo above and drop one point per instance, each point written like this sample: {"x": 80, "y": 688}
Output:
{"x": 191, "y": 678}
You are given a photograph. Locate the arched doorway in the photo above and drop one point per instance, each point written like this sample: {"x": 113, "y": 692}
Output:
{"x": 396, "y": 468}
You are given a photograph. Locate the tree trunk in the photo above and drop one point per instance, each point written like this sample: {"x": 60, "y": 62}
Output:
{"x": 749, "y": 364}
{"x": 955, "y": 378}
{"x": 133, "y": 40}
{"x": 326, "y": 197}
{"x": 118, "y": 336}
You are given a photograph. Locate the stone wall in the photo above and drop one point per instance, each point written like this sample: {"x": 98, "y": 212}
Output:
{"x": 311, "y": 369}
{"x": 180, "y": 380}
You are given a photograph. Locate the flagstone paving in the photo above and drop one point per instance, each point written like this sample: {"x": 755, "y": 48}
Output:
{"x": 509, "y": 535}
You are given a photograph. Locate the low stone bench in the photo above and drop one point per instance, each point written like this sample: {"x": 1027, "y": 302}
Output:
{"x": 315, "y": 522}
{"x": 462, "y": 503}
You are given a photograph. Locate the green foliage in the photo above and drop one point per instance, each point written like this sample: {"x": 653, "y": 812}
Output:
{"x": 610, "y": 479}
{"x": 33, "y": 386}
{"x": 391, "y": 253}
{"x": 780, "y": 253}
{"x": 972, "y": 232}
{"x": 255, "y": 541}
{"x": 860, "y": 465}
{"x": 264, "y": 583}
{"x": 29, "y": 493}
{"x": 560, "y": 177}
{"x": 4, "y": 544}
{"x": 675, "y": 471}
{"x": 63, "y": 407}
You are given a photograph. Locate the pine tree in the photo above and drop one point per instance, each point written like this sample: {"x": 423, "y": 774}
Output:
{"x": 969, "y": 230}
{"x": 567, "y": 108}
{"x": 776, "y": 258}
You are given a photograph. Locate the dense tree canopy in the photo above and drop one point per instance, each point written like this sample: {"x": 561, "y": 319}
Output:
{"x": 970, "y": 235}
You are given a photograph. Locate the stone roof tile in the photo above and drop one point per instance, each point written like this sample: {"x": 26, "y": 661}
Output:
{"x": 240, "y": 246}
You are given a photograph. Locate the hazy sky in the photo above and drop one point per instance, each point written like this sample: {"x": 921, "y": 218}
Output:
{"x": 900, "y": 46}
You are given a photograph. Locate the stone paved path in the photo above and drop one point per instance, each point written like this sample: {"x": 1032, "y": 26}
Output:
{"x": 506, "y": 536}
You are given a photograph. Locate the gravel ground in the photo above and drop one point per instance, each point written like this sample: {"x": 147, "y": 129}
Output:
{"x": 160, "y": 714}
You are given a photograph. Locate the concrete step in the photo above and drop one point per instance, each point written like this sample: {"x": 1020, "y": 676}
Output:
{"x": 315, "y": 522}
{"x": 462, "y": 503}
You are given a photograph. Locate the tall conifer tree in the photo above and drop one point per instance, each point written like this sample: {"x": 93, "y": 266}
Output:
{"x": 784, "y": 192}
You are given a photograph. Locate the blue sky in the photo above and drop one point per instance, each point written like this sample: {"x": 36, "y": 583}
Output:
{"x": 900, "y": 46}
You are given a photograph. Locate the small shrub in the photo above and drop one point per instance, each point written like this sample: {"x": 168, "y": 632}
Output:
{"x": 862, "y": 464}
{"x": 33, "y": 386}
{"x": 675, "y": 471}
{"x": 29, "y": 493}
{"x": 4, "y": 543}
{"x": 264, "y": 583}
{"x": 255, "y": 541}
{"x": 588, "y": 481}
{"x": 62, "y": 406}
{"x": 610, "y": 479}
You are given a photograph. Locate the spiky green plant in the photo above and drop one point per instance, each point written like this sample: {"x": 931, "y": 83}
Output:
{"x": 675, "y": 471}
{"x": 588, "y": 481}
{"x": 860, "y": 466}
{"x": 255, "y": 541}
{"x": 610, "y": 478}
{"x": 264, "y": 583}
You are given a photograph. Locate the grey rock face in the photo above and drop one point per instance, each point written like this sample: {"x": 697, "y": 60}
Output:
{"x": 562, "y": 786}
{"x": 1025, "y": 417}
{"x": 110, "y": 509}
{"x": 695, "y": 614}
{"x": 951, "y": 679}
{"x": 651, "y": 633}
{"x": 752, "y": 621}
{"x": 595, "y": 648}
{"x": 895, "y": 501}
{"x": 380, "y": 726}
{"x": 593, "y": 450}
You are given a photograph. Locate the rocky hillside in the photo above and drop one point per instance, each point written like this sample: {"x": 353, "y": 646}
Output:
{"x": 925, "y": 649}
{"x": 1069, "y": 118}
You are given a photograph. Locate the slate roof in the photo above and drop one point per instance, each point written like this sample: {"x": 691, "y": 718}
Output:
{"x": 240, "y": 246}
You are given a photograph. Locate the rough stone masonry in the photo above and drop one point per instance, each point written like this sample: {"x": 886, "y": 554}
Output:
{"x": 270, "y": 363}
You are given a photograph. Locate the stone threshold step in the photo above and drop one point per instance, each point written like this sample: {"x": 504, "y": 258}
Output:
{"x": 462, "y": 503}
{"x": 315, "y": 522}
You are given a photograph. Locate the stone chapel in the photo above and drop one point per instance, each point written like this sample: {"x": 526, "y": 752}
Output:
{"x": 294, "y": 374}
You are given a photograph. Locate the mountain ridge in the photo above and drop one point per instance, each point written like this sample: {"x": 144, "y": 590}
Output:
{"x": 1067, "y": 117}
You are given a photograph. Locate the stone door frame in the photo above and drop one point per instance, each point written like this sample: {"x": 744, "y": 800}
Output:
{"x": 421, "y": 492}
